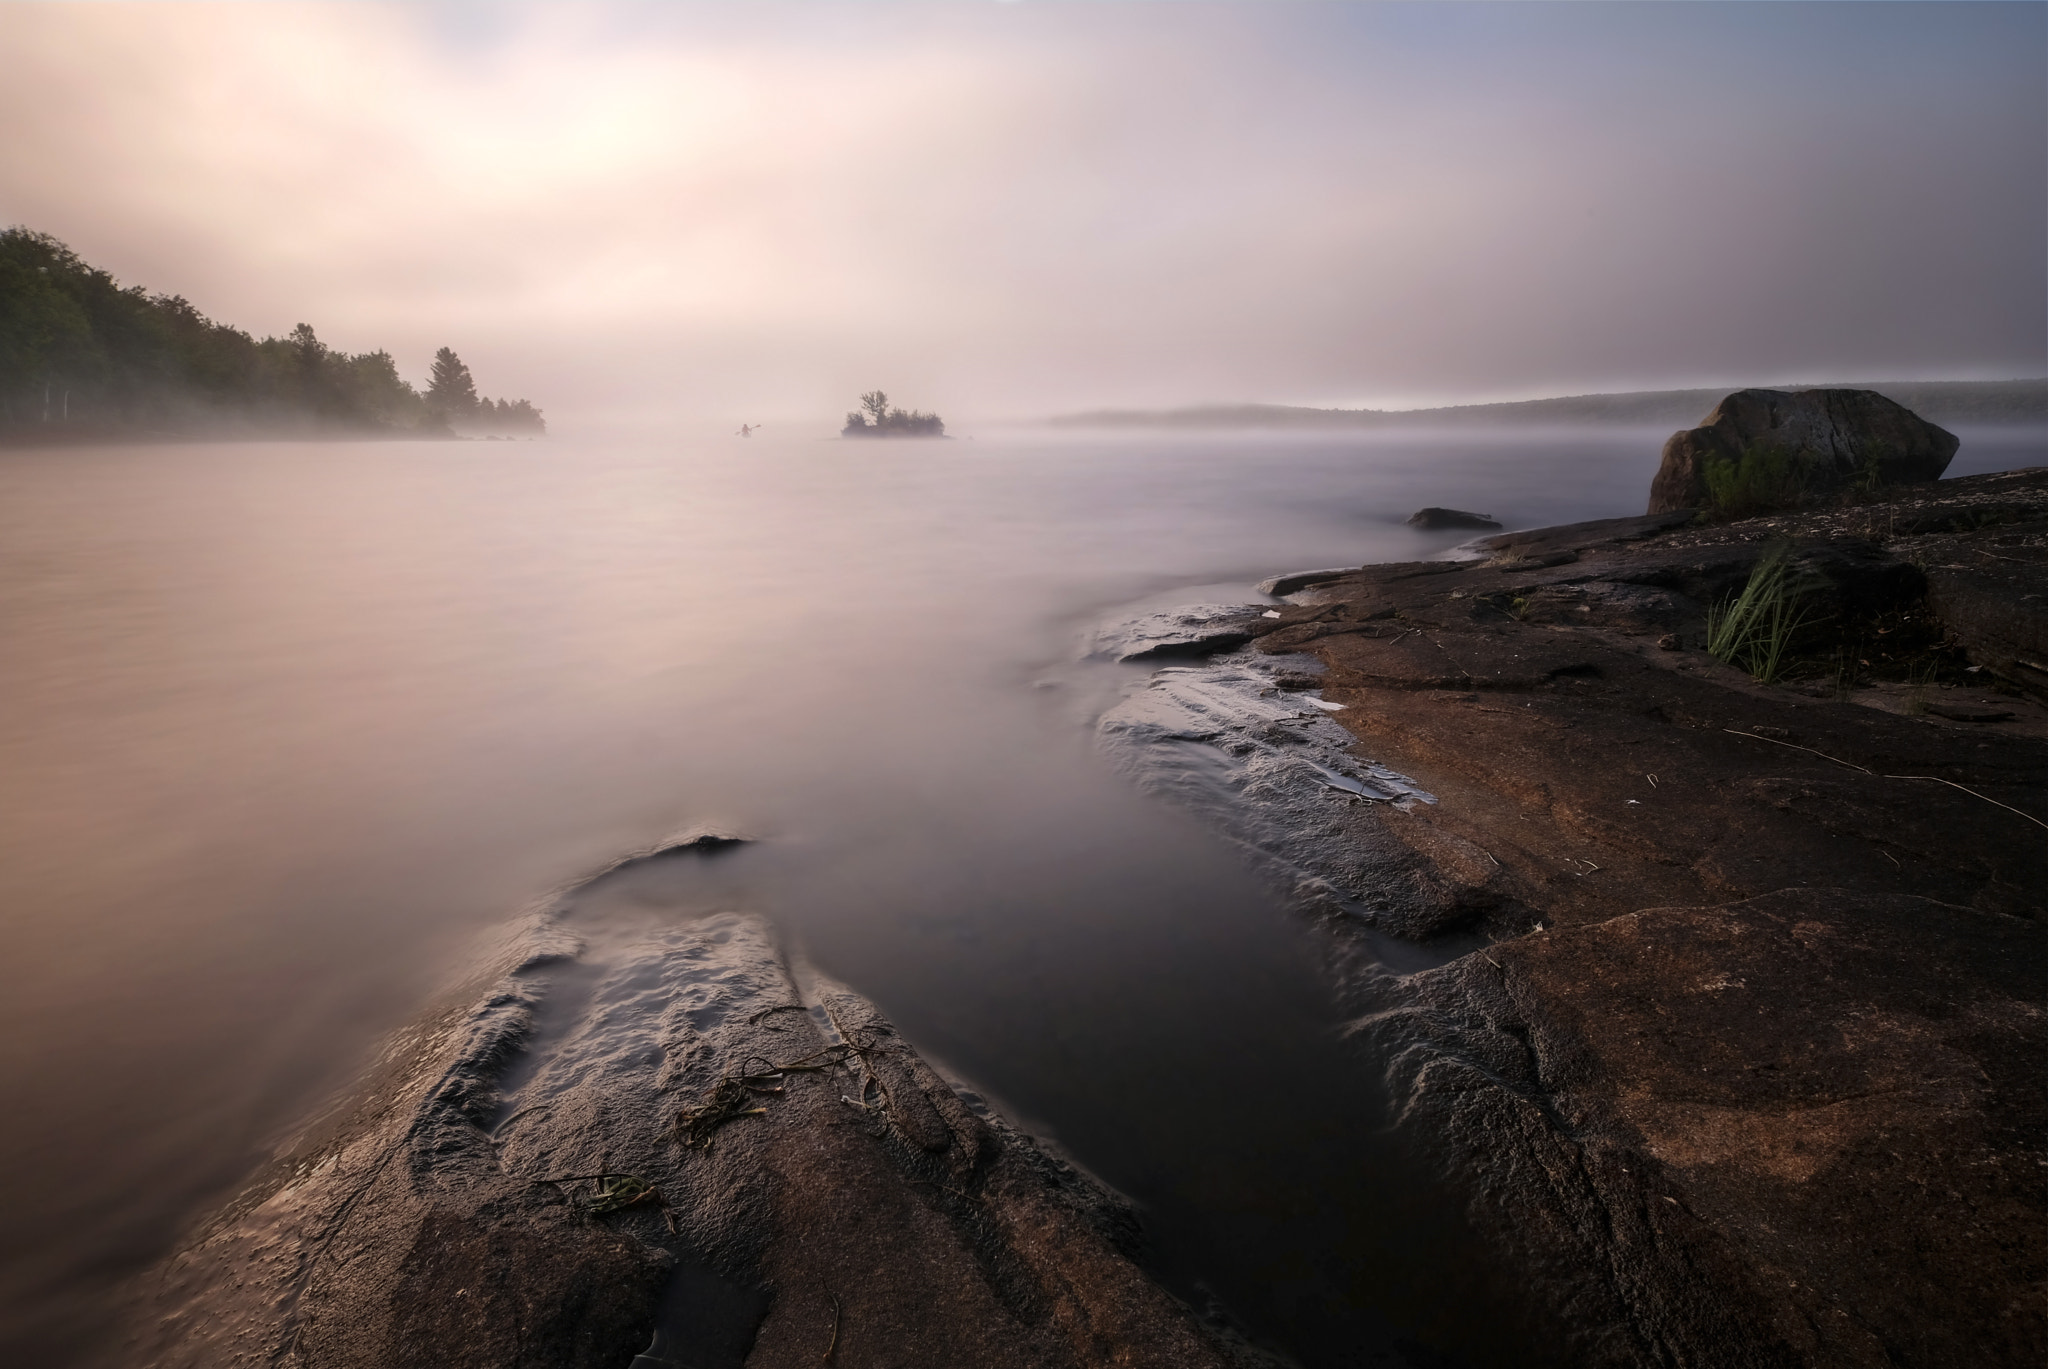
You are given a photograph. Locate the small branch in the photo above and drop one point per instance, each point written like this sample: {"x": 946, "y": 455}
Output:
{"x": 1794, "y": 746}
{"x": 1936, "y": 779}
{"x": 832, "y": 1344}
{"x": 1932, "y": 779}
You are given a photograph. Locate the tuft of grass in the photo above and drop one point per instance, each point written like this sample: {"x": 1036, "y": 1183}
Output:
{"x": 1919, "y": 684}
{"x": 1753, "y": 630}
{"x": 1844, "y": 675}
{"x": 1763, "y": 479}
{"x": 1866, "y": 482}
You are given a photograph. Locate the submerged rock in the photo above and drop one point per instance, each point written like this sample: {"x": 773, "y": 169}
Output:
{"x": 1450, "y": 518}
{"x": 1782, "y": 445}
{"x": 1194, "y": 631}
{"x": 704, "y": 843}
{"x": 1282, "y": 585}
{"x": 678, "y": 1144}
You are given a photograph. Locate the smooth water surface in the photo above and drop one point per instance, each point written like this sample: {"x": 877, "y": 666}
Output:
{"x": 287, "y": 731}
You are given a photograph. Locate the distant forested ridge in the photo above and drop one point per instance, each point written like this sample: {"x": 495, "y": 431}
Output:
{"x": 875, "y": 418}
{"x": 1938, "y": 401}
{"x": 82, "y": 356}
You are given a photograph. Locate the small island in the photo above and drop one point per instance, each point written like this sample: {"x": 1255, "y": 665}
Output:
{"x": 875, "y": 418}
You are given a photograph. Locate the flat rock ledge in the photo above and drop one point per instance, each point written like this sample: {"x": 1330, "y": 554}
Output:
{"x": 790, "y": 1185}
{"x": 1801, "y": 1129}
{"x": 1728, "y": 1000}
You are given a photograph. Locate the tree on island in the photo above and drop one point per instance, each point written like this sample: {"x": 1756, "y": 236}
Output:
{"x": 875, "y": 418}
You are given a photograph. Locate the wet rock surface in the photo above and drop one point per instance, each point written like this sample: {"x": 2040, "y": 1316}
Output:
{"x": 665, "y": 1144}
{"x": 1747, "y": 1074}
{"x": 1251, "y": 746}
{"x": 1199, "y": 630}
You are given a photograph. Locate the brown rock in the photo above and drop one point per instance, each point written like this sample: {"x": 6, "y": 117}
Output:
{"x": 1798, "y": 1130}
{"x": 1534, "y": 544}
{"x": 1828, "y": 438}
{"x": 1997, "y": 608}
{"x": 843, "y": 1204}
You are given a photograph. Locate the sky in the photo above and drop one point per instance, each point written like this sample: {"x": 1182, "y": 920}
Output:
{"x": 1000, "y": 210}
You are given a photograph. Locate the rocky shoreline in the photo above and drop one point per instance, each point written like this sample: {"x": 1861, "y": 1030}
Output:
{"x": 1718, "y": 1003}
{"x": 1733, "y": 1039}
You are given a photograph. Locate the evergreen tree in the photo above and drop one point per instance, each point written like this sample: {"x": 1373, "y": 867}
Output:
{"x": 451, "y": 393}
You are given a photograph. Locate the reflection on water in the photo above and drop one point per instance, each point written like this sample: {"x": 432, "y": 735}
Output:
{"x": 289, "y": 729}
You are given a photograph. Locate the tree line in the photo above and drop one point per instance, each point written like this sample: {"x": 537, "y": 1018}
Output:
{"x": 80, "y": 351}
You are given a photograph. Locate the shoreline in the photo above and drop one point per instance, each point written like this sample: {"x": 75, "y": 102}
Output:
{"x": 1729, "y": 1047}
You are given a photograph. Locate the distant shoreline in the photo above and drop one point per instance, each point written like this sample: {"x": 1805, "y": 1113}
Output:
{"x": 78, "y": 435}
{"x": 1939, "y": 401}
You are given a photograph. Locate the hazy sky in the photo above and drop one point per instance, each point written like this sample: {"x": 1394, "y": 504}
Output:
{"x": 1012, "y": 209}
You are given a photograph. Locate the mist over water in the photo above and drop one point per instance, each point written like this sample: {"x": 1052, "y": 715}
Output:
{"x": 288, "y": 733}
{"x": 619, "y": 208}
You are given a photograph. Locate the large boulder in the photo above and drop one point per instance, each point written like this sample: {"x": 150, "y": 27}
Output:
{"x": 1782, "y": 445}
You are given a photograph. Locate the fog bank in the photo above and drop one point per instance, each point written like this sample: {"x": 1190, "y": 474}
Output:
{"x": 1015, "y": 210}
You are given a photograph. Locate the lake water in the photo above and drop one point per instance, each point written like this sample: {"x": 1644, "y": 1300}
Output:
{"x": 289, "y": 731}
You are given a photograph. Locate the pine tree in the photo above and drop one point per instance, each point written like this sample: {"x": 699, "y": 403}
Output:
{"x": 450, "y": 391}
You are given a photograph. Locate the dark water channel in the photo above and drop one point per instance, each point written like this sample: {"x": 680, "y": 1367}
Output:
{"x": 289, "y": 731}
